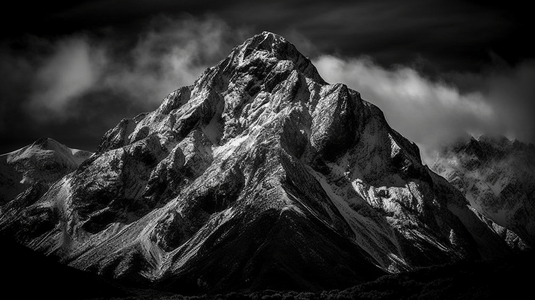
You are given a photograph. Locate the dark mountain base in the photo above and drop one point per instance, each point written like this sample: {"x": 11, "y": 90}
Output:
{"x": 30, "y": 275}
{"x": 27, "y": 274}
{"x": 506, "y": 278}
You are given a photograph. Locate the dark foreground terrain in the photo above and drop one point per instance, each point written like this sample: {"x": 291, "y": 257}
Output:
{"x": 30, "y": 275}
{"x": 39, "y": 277}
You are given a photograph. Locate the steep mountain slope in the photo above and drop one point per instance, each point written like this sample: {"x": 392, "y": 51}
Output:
{"x": 497, "y": 176}
{"x": 259, "y": 175}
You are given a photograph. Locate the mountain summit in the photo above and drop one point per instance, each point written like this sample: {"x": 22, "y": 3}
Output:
{"x": 260, "y": 175}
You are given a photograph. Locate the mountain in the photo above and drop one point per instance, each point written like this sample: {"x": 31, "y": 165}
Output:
{"x": 497, "y": 176}
{"x": 27, "y": 173}
{"x": 260, "y": 175}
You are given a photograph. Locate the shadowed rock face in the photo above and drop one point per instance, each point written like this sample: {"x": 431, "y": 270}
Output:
{"x": 497, "y": 176}
{"x": 259, "y": 175}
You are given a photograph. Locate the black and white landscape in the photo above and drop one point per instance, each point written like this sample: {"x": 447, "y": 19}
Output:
{"x": 260, "y": 177}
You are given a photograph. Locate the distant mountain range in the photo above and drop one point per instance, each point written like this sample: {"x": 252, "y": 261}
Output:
{"x": 497, "y": 177}
{"x": 29, "y": 171}
{"x": 259, "y": 176}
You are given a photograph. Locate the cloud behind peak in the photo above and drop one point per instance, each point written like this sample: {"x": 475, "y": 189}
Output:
{"x": 433, "y": 112}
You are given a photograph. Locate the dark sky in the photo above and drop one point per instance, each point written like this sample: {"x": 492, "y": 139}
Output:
{"x": 72, "y": 71}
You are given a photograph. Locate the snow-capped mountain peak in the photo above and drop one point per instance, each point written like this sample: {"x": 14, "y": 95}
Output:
{"x": 259, "y": 175}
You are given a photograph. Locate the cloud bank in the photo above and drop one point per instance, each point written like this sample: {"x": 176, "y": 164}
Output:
{"x": 434, "y": 112}
{"x": 75, "y": 87}
{"x": 169, "y": 53}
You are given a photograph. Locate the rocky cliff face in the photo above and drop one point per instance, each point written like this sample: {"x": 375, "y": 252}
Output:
{"x": 259, "y": 175}
{"x": 497, "y": 176}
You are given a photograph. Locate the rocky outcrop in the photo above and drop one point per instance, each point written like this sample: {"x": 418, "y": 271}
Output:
{"x": 259, "y": 175}
{"x": 497, "y": 177}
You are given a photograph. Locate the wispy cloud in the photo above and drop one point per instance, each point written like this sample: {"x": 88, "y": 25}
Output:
{"x": 74, "y": 67}
{"x": 169, "y": 53}
{"x": 432, "y": 113}
{"x": 76, "y": 87}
